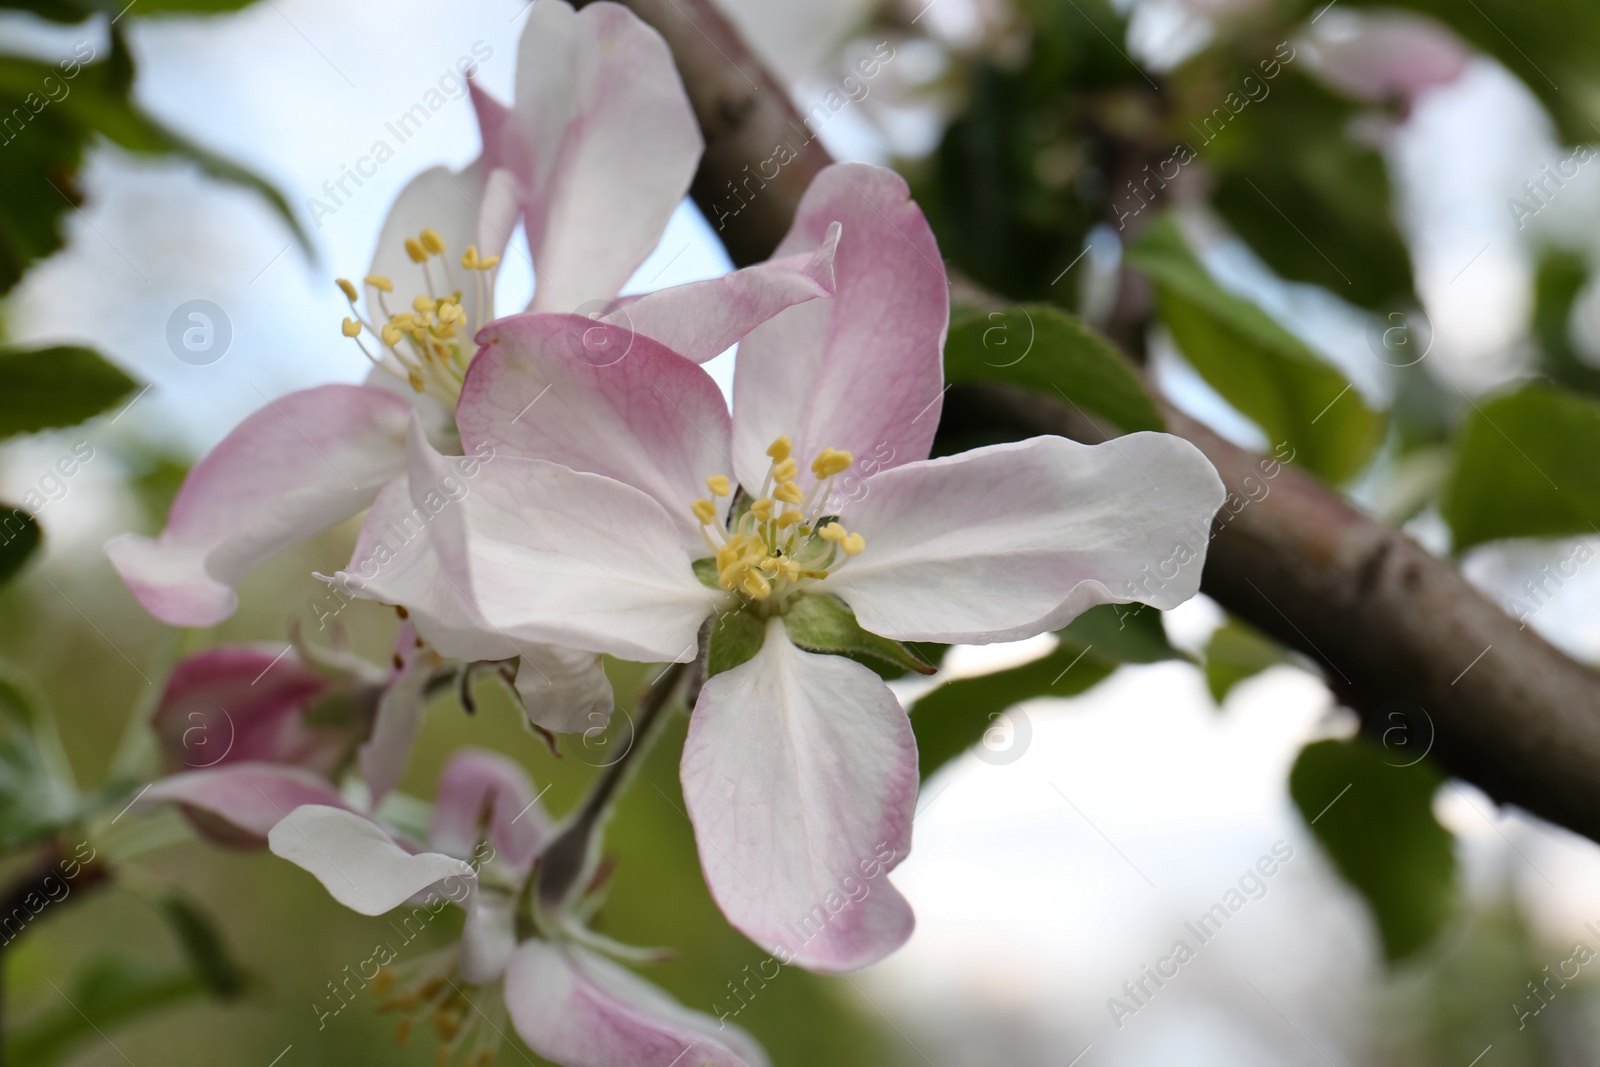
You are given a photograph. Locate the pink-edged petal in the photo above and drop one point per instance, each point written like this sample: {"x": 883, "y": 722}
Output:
{"x": 488, "y": 936}
{"x": 864, "y": 371}
{"x": 238, "y": 703}
{"x": 700, "y": 320}
{"x": 613, "y": 145}
{"x": 481, "y": 788}
{"x": 564, "y": 690}
{"x": 357, "y": 861}
{"x": 597, "y": 398}
{"x": 299, "y": 465}
{"x": 1379, "y": 56}
{"x": 1008, "y": 541}
{"x": 238, "y": 804}
{"x": 554, "y": 556}
{"x": 398, "y": 721}
{"x": 576, "y": 1008}
{"x": 468, "y": 207}
{"x": 800, "y": 775}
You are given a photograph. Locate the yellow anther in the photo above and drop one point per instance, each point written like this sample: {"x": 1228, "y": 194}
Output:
{"x": 390, "y": 334}
{"x": 380, "y": 282}
{"x": 854, "y": 545}
{"x": 755, "y": 586}
{"x": 402, "y": 1033}
{"x": 348, "y": 289}
{"x": 719, "y": 485}
{"x": 450, "y": 314}
{"x": 488, "y": 262}
{"x": 705, "y": 511}
{"x": 383, "y": 982}
{"x": 779, "y": 450}
{"x": 791, "y": 569}
{"x": 833, "y": 532}
{"x": 424, "y": 303}
{"x": 761, "y": 508}
{"x": 351, "y": 328}
{"x": 769, "y": 566}
{"x": 416, "y": 381}
{"x": 831, "y": 461}
{"x": 446, "y": 1022}
{"x": 789, "y": 493}
{"x": 469, "y": 258}
{"x": 785, "y": 470}
{"x": 432, "y": 241}
{"x": 790, "y": 518}
{"x": 414, "y": 250}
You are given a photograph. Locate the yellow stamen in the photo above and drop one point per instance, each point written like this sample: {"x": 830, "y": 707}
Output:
{"x": 789, "y": 493}
{"x": 351, "y": 328}
{"x": 432, "y": 241}
{"x": 755, "y": 586}
{"x": 390, "y": 334}
{"x": 761, "y": 508}
{"x": 424, "y": 303}
{"x": 854, "y": 545}
{"x": 348, "y": 289}
{"x": 705, "y": 511}
{"x": 785, "y": 470}
{"x": 831, "y": 461}
{"x": 779, "y": 450}
{"x": 416, "y": 381}
{"x": 402, "y": 1033}
{"x": 833, "y": 532}
{"x": 380, "y": 282}
{"x": 790, "y": 518}
{"x": 469, "y": 258}
{"x": 488, "y": 262}
{"x": 719, "y": 485}
{"x": 414, "y": 250}
{"x": 446, "y": 1023}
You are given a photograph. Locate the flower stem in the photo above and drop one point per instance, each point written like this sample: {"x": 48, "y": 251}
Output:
{"x": 565, "y": 864}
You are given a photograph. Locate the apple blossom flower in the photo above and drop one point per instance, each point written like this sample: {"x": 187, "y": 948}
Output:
{"x": 637, "y": 508}
{"x": 593, "y": 157}
{"x": 247, "y": 733}
{"x": 567, "y": 1001}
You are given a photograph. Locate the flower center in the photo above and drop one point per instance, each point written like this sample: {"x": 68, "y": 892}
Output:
{"x": 430, "y": 345}
{"x": 432, "y": 992}
{"x": 777, "y": 542}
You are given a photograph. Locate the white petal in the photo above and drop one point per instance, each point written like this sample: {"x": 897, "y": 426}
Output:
{"x": 489, "y": 935}
{"x": 357, "y": 861}
{"x": 800, "y": 774}
{"x": 1008, "y": 541}
{"x": 564, "y": 690}
{"x": 581, "y": 1010}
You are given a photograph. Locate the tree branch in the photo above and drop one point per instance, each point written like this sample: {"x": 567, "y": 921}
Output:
{"x": 1505, "y": 710}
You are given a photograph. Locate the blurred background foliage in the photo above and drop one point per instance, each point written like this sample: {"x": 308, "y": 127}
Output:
{"x": 1054, "y": 143}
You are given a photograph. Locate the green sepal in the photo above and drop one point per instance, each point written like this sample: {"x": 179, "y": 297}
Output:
{"x": 735, "y": 638}
{"x": 821, "y": 622}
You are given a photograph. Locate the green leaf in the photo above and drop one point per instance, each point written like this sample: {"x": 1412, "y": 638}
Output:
{"x": 1050, "y": 351}
{"x": 1124, "y": 633}
{"x": 46, "y": 388}
{"x": 1259, "y": 367}
{"x": 822, "y": 622}
{"x": 68, "y": 11}
{"x": 1237, "y": 652}
{"x": 202, "y": 945}
{"x": 37, "y": 793}
{"x": 1312, "y": 201}
{"x": 1525, "y": 467}
{"x": 953, "y": 717}
{"x": 736, "y": 637}
{"x": 104, "y": 994}
{"x": 1557, "y": 285}
{"x": 19, "y": 539}
{"x": 1375, "y": 821}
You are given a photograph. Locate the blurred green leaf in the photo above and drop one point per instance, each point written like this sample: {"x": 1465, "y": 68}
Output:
{"x": 824, "y": 623}
{"x": 1525, "y": 467}
{"x": 958, "y": 714}
{"x": 1048, "y": 350}
{"x": 37, "y": 793}
{"x": 78, "y": 10}
{"x": 1550, "y": 45}
{"x": 1557, "y": 284}
{"x": 1258, "y": 366}
{"x": 1312, "y": 202}
{"x": 19, "y": 539}
{"x": 46, "y": 388}
{"x": 104, "y": 994}
{"x": 1235, "y": 653}
{"x": 1375, "y": 821}
{"x": 202, "y": 945}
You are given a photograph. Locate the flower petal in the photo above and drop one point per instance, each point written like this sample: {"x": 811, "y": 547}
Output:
{"x": 700, "y": 320}
{"x": 550, "y": 555}
{"x": 398, "y": 721}
{"x": 863, "y": 371}
{"x": 564, "y": 690}
{"x": 489, "y": 935}
{"x": 597, "y": 398}
{"x": 1008, "y": 541}
{"x": 239, "y": 804}
{"x": 474, "y": 206}
{"x": 613, "y": 144}
{"x": 478, "y": 786}
{"x": 239, "y": 703}
{"x": 577, "y": 1008}
{"x": 299, "y": 465}
{"x": 357, "y": 861}
{"x": 800, "y": 775}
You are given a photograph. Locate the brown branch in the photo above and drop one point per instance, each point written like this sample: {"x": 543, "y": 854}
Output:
{"x": 1389, "y": 622}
